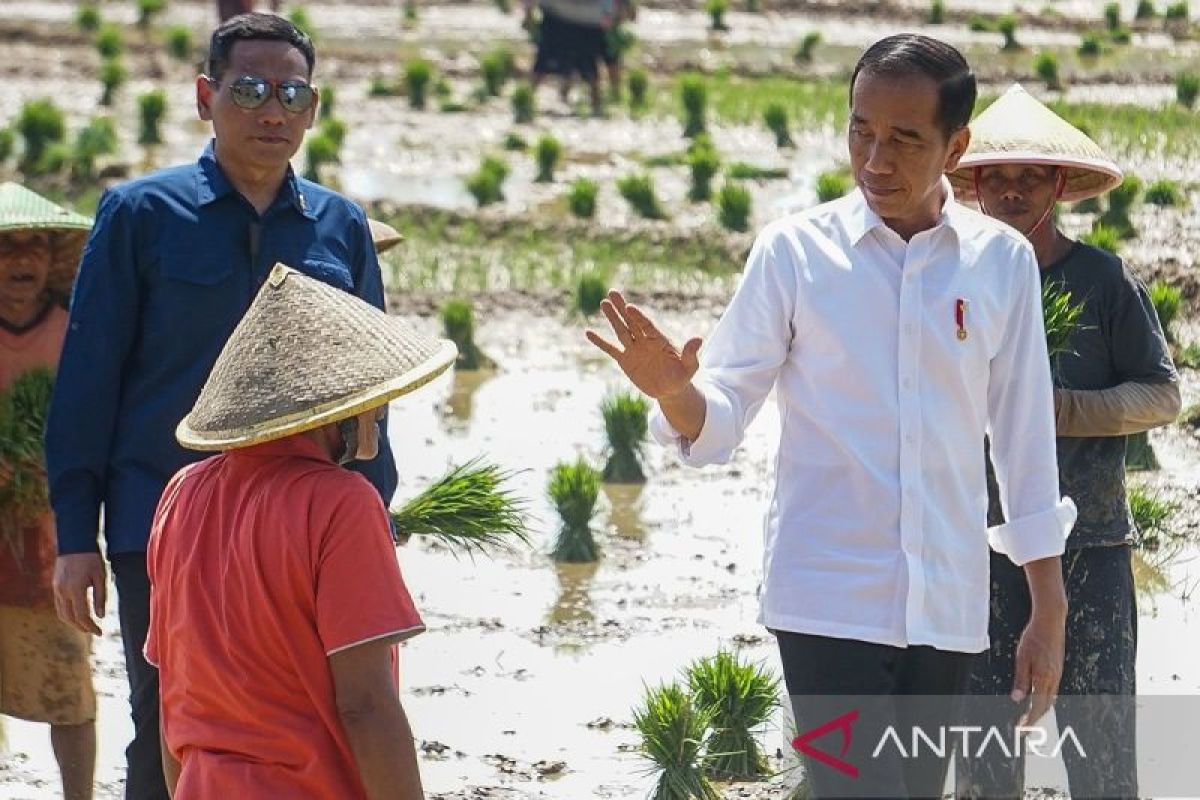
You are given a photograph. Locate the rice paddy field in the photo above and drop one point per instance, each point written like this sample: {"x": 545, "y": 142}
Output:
{"x": 527, "y": 681}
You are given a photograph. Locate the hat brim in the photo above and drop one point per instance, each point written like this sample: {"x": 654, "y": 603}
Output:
{"x": 310, "y": 419}
{"x": 1086, "y": 178}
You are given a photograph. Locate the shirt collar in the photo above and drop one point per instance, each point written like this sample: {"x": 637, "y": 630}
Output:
{"x": 294, "y": 446}
{"x": 862, "y": 219}
{"x": 212, "y": 185}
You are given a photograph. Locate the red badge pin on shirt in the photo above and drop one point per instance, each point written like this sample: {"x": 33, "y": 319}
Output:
{"x": 960, "y": 317}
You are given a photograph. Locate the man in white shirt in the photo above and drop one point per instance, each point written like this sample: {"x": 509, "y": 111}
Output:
{"x": 898, "y": 328}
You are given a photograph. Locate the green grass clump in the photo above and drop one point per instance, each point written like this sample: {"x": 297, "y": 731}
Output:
{"x": 1060, "y": 318}
{"x": 981, "y": 24}
{"x": 694, "y": 94}
{"x": 1121, "y": 201}
{"x": 148, "y": 10}
{"x": 320, "y": 149}
{"x": 672, "y": 731}
{"x": 638, "y": 83}
{"x": 87, "y": 18}
{"x": 1187, "y": 88}
{"x": 486, "y": 185}
{"x": 1178, "y": 12}
{"x": 716, "y": 10}
{"x": 514, "y": 142}
{"x": 41, "y": 124}
{"x": 1168, "y": 302}
{"x": 496, "y": 67}
{"x": 740, "y": 697}
{"x": 1091, "y": 46}
{"x": 1045, "y": 64}
{"x": 97, "y": 138}
{"x": 581, "y": 199}
{"x": 590, "y": 291}
{"x": 775, "y": 117}
{"x": 1152, "y": 517}
{"x": 1104, "y": 237}
{"x": 458, "y": 322}
{"x": 152, "y": 106}
{"x": 574, "y": 488}
{"x": 703, "y": 163}
{"x": 109, "y": 41}
{"x": 112, "y": 77}
{"x": 1164, "y": 193}
{"x": 733, "y": 207}
{"x": 1112, "y": 16}
{"x": 832, "y": 185}
{"x": 418, "y": 74}
{"x": 468, "y": 509}
{"x": 24, "y": 496}
{"x": 807, "y": 49}
{"x": 523, "y": 104}
{"x": 1007, "y": 26}
{"x": 626, "y": 425}
{"x": 1145, "y": 10}
{"x": 179, "y": 43}
{"x": 937, "y": 13}
{"x": 638, "y": 191}
{"x": 548, "y": 154}
{"x": 741, "y": 171}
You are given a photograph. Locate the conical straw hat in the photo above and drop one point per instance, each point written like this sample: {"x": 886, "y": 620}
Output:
{"x": 305, "y": 355}
{"x": 1017, "y": 129}
{"x": 384, "y": 236}
{"x": 24, "y": 210}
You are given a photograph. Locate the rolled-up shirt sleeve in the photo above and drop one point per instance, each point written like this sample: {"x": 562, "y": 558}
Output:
{"x": 742, "y": 358}
{"x": 1021, "y": 417}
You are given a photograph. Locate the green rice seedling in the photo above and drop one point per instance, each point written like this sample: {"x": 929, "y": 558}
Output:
{"x": 486, "y": 185}
{"x": 590, "y": 291}
{"x": 1112, "y": 16}
{"x": 1045, "y": 64}
{"x": 981, "y": 24}
{"x": 8, "y": 143}
{"x": 496, "y": 67}
{"x": 581, "y": 199}
{"x": 638, "y": 83}
{"x": 1007, "y": 26}
{"x": 1187, "y": 88}
{"x": 442, "y": 88}
{"x": 703, "y": 163}
{"x": 148, "y": 10}
{"x": 1145, "y": 10}
{"x": 1168, "y": 302}
{"x": 740, "y": 696}
{"x": 411, "y": 15}
{"x": 335, "y": 129}
{"x": 109, "y": 41}
{"x": 807, "y": 49}
{"x": 638, "y": 191}
{"x": 299, "y": 17}
{"x": 112, "y": 77}
{"x": 832, "y": 185}
{"x": 1152, "y": 517}
{"x": 741, "y": 171}
{"x": 775, "y": 117}
{"x": 1104, "y": 237}
{"x": 1164, "y": 193}
{"x": 41, "y": 124}
{"x": 694, "y": 94}
{"x": 56, "y": 159}
{"x": 1178, "y": 12}
{"x": 1121, "y": 201}
{"x": 152, "y": 106}
{"x": 626, "y": 425}
{"x": 1060, "y": 316}
{"x": 87, "y": 18}
{"x": 1091, "y": 46}
{"x": 672, "y": 731}
{"x": 458, "y": 321}
{"x": 733, "y": 207}
{"x": 320, "y": 149}
{"x": 381, "y": 87}
{"x": 328, "y": 102}
{"x": 574, "y": 488}
{"x": 753, "y": 6}
{"x": 97, "y": 138}
{"x": 716, "y": 10}
{"x": 523, "y": 104}
{"x": 548, "y": 155}
{"x": 937, "y": 13}
{"x": 468, "y": 509}
{"x": 514, "y": 142}
{"x": 23, "y": 409}
{"x": 417, "y": 76}
{"x": 180, "y": 45}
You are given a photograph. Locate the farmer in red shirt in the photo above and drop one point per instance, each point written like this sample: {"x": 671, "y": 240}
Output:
{"x": 277, "y": 601}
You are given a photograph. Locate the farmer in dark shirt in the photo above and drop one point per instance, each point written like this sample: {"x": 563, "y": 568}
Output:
{"x": 1116, "y": 379}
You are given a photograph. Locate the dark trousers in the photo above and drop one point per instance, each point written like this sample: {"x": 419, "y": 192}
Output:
{"x": 829, "y": 678}
{"x": 1096, "y": 695}
{"x": 144, "y": 773}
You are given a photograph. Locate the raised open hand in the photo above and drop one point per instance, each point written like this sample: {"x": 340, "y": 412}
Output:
{"x": 656, "y": 366}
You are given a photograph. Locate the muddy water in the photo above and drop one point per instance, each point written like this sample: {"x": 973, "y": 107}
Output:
{"x": 521, "y": 655}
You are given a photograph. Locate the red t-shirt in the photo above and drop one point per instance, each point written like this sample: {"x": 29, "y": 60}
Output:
{"x": 263, "y": 561}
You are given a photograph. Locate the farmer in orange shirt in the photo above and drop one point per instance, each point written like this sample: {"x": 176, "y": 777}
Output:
{"x": 45, "y": 674}
{"x": 277, "y": 601}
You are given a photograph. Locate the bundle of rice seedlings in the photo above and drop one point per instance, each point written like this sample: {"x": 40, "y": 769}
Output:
{"x": 1104, "y": 237}
{"x": 152, "y": 106}
{"x": 97, "y": 138}
{"x": 806, "y": 50}
{"x": 740, "y": 698}
{"x": 495, "y": 67}
{"x": 1145, "y": 10}
{"x": 458, "y": 321}
{"x": 179, "y": 43}
{"x": 733, "y": 207}
{"x": 638, "y": 191}
{"x": 468, "y": 509}
{"x": 1008, "y": 29}
{"x": 672, "y": 729}
{"x": 148, "y": 10}
{"x": 88, "y": 17}
{"x": 1151, "y": 518}
{"x": 110, "y": 43}
{"x": 1112, "y": 16}
{"x": 776, "y": 120}
{"x": 487, "y": 182}
{"x": 626, "y": 425}
{"x": 1090, "y": 46}
{"x": 299, "y": 17}
{"x": 548, "y": 153}
{"x": 573, "y": 488}
{"x": 1120, "y": 202}
{"x": 418, "y": 74}
{"x": 523, "y": 104}
{"x": 590, "y": 291}
{"x": 639, "y": 83}
{"x": 1164, "y": 193}
{"x": 41, "y": 124}
{"x": 320, "y": 149}
{"x": 716, "y": 11}
{"x": 832, "y": 185}
{"x": 1046, "y": 67}
{"x": 582, "y": 198}
{"x": 703, "y": 162}
{"x": 937, "y": 13}
{"x": 694, "y": 94}
{"x": 23, "y": 409}
{"x": 1061, "y": 317}
{"x": 1167, "y": 301}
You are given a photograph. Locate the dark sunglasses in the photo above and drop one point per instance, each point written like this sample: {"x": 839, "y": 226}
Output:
{"x": 250, "y": 92}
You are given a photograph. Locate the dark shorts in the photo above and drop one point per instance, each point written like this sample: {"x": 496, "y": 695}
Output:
{"x": 566, "y": 48}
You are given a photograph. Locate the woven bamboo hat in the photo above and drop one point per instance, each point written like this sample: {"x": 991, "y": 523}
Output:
{"x": 384, "y": 236}
{"x": 305, "y": 355}
{"x": 24, "y": 210}
{"x": 1017, "y": 129}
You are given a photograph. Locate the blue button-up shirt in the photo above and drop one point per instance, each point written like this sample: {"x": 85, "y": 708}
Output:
{"x": 173, "y": 262}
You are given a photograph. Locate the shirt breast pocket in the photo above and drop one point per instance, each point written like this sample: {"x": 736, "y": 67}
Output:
{"x": 328, "y": 271}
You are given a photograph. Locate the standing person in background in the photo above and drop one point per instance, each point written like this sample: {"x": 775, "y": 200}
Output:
{"x": 227, "y": 9}
{"x": 1116, "y": 379}
{"x": 173, "y": 263}
{"x": 617, "y": 40}
{"x": 45, "y": 669}
{"x": 572, "y": 41}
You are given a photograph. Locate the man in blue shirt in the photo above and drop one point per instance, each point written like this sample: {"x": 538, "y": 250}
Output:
{"x": 173, "y": 263}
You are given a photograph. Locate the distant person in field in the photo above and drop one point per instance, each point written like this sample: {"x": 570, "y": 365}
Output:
{"x": 572, "y": 41}
{"x": 1116, "y": 379}
{"x": 896, "y": 328}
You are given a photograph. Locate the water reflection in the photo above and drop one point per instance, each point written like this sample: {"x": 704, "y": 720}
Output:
{"x": 460, "y": 403}
{"x": 625, "y": 515}
{"x": 574, "y": 603}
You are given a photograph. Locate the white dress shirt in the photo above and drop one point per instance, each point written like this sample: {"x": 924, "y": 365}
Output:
{"x": 877, "y": 527}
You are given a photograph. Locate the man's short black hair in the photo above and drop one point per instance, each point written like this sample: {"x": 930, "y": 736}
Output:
{"x": 255, "y": 27}
{"x": 909, "y": 55}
